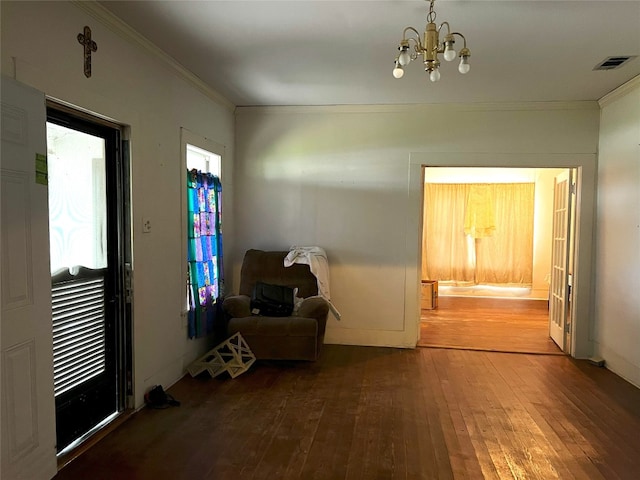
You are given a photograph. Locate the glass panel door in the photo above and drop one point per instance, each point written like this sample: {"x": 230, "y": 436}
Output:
{"x": 85, "y": 272}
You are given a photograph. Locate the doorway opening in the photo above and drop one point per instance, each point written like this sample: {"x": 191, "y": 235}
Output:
{"x": 512, "y": 316}
{"x": 90, "y": 263}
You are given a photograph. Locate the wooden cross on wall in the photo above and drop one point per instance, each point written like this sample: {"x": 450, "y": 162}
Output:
{"x": 89, "y": 46}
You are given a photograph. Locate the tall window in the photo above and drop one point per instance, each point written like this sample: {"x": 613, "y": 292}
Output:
{"x": 203, "y": 160}
{"x": 204, "y": 268}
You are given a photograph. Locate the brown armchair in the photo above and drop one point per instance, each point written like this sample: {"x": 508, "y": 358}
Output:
{"x": 297, "y": 337}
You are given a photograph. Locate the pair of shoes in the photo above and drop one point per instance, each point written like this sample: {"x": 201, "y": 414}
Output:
{"x": 157, "y": 398}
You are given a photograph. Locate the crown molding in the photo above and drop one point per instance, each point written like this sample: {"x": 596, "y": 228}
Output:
{"x": 619, "y": 92}
{"x": 118, "y": 26}
{"x": 408, "y": 108}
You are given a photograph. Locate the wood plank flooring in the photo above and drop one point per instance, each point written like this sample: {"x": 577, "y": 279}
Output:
{"x": 383, "y": 413}
{"x": 502, "y": 325}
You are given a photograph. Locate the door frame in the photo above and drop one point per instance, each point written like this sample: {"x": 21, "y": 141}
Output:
{"x": 123, "y": 252}
{"x": 585, "y": 167}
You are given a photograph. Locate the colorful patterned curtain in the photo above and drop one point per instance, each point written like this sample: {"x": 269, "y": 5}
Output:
{"x": 204, "y": 233}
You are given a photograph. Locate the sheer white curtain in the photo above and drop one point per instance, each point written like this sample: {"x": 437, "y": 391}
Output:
{"x": 478, "y": 234}
{"x": 77, "y": 199}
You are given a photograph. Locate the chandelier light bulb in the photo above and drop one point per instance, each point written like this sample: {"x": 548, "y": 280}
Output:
{"x": 398, "y": 72}
{"x": 449, "y": 51}
{"x": 464, "y": 66}
{"x": 434, "y": 76}
{"x": 404, "y": 58}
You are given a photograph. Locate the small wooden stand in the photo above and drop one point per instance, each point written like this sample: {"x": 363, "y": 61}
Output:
{"x": 233, "y": 356}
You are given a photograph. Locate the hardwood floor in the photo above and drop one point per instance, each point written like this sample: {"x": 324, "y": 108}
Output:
{"x": 502, "y": 325}
{"x": 383, "y": 413}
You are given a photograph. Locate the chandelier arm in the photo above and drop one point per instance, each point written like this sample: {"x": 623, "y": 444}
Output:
{"x": 418, "y": 48}
{"x": 415, "y": 32}
{"x": 462, "y": 36}
{"x": 442, "y": 25}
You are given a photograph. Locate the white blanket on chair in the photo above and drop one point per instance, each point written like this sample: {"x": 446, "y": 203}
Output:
{"x": 318, "y": 263}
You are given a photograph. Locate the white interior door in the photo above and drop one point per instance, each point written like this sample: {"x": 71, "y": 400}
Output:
{"x": 560, "y": 259}
{"x": 28, "y": 414}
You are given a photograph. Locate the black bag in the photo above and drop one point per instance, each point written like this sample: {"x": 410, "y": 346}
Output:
{"x": 156, "y": 397}
{"x": 272, "y": 300}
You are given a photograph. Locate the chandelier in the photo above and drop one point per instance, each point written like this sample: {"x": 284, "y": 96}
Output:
{"x": 430, "y": 47}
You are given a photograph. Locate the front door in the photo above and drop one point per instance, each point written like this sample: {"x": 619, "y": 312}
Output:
{"x": 86, "y": 271}
{"x": 28, "y": 416}
{"x": 559, "y": 289}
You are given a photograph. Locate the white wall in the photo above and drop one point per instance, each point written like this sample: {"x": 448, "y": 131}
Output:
{"x": 344, "y": 178}
{"x": 137, "y": 88}
{"x": 617, "y": 302}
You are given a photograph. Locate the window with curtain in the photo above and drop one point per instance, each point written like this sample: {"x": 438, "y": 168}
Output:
{"x": 478, "y": 234}
{"x": 204, "y": 251}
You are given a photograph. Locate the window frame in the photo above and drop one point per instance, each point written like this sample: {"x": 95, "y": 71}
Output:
{"x": 189, "y": 138}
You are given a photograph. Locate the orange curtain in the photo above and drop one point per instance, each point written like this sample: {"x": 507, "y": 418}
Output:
{"x": 448, "y": 254}
{"x": 478, "y": 234}
{"x": 506, "y": 258}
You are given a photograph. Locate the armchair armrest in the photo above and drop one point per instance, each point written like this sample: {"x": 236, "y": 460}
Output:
{"x": 237, "y": 306}
{"x": 314, "y": 307}
{"x": 317, "y": 308}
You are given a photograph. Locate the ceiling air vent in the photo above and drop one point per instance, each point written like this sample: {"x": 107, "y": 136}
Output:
{"x": 612, "y": 63}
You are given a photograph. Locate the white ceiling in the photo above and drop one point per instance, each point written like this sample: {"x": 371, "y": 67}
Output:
{"x": 341, "y": 52}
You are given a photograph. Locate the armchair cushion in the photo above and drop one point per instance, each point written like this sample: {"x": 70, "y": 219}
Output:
{"x": 268, "y": 267}
{"x": 275, "y": 326}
